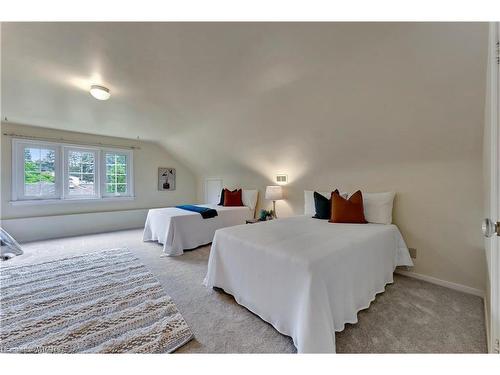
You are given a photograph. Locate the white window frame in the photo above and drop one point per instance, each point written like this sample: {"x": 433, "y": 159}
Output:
{"x": 62, "y": 175}
{"x": 130, "y": 186}
{"x": 18, "y": 169}
{"x": 96, "y": 152}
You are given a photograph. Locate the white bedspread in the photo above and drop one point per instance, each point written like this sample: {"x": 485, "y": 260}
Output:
{"x": 305, "y": 276}
{"x": 179, "y": 229}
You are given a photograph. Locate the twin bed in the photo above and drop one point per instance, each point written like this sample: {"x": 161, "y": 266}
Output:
{"x": 306, "y": 277}
{"x": 179, "y": 230}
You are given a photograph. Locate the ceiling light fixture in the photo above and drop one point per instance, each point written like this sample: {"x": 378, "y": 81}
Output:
{"x": 99, "y": 92}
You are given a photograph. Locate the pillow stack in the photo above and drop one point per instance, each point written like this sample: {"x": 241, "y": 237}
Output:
{"x": 359, "y": 208}
{"x": 310, "y": 201}
{"x": 230, "y": 198}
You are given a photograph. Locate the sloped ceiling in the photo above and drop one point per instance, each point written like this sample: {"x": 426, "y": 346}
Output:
{"x": 227, "y": 96}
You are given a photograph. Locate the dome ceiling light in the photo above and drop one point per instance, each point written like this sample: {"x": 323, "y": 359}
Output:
{"x": 100, "y": 92}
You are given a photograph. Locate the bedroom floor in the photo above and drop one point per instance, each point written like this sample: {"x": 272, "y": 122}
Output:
{"x": 411, "y": 316}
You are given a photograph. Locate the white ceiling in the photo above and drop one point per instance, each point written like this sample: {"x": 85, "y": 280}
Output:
{"x": 225, "y": 96}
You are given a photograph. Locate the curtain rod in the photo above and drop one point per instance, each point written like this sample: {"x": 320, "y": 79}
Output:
{"x": 62, "y": 140}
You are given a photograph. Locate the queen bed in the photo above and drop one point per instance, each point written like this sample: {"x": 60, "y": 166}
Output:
{"x": 306, "y": 277}
{"x": 178, "y": 229}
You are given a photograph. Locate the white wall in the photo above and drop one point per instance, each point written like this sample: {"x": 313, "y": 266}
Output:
{"x": 44, "y": 220}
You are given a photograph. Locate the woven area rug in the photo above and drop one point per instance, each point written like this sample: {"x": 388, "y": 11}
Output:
{"x": 106, "y": 302}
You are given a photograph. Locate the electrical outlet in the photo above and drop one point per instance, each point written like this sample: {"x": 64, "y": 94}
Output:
{"x": 413, "y": 252}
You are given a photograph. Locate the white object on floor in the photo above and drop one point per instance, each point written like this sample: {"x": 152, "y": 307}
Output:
{"x": 9, "y": 247}
{"x": 306, "y": 277}
{"x": 179, "y": 229}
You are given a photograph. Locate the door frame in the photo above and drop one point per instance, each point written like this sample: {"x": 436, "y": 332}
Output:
{"x": 492, "y": 244}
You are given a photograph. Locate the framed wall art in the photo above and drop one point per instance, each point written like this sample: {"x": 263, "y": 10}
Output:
{"x": 166, "y": 179}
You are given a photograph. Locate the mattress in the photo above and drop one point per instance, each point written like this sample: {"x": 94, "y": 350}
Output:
{"x": 306, "y": 277}
{"x": 179, "y": 230}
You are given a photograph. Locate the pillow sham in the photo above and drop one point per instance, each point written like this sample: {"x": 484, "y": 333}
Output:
{"x": 378, "y": 207}
{"x": 347, "y": 210}
{"x": 249, "y": 198}
{"x": 233, "y": 198}
{"x": 323, "y": 206}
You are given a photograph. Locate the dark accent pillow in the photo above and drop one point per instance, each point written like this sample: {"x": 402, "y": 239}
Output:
{"x": 233, "y": 198}
{"x": 221, "y": 202}
{"x": 323, "y": 206}
{"x": 347, "y": 210}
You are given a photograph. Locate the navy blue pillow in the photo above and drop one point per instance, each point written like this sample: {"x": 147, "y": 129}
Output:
{"x": 221, "y": 202}
{"x": 323, "y": 207}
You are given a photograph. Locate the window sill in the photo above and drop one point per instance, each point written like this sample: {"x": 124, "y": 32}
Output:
{"x": 36, "y": 202}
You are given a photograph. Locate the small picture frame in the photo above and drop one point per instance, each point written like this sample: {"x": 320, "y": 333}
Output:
{"x": 166, "y": 179}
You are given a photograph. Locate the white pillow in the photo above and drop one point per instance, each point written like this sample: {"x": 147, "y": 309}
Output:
{"x": 378, "y": 207}
{"x": 249, "y": 198}
{"x": 309, "y": 207}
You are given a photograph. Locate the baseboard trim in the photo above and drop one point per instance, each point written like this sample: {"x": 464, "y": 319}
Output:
{"x": 446, "y": 284}
{"x": 487, "y": 324}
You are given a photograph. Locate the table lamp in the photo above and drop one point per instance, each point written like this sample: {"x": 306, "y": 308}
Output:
{"x": 274, "y": 193}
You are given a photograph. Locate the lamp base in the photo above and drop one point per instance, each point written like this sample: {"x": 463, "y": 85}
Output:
{"x": 274, "y": 210}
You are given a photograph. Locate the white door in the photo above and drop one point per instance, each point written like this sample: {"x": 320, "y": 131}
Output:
{"x": 213, "y": 188}
{"x": 491, "y": 225}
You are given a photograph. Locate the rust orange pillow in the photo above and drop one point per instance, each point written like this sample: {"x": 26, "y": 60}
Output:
{"x": 347, "y": 210}
{"x": 233, "y": 198}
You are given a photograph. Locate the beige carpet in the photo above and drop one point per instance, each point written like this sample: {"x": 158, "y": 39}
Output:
{"x": 412, "y": 316}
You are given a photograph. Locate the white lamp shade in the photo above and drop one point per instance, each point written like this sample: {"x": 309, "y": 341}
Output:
{"x": 274, "y": 193}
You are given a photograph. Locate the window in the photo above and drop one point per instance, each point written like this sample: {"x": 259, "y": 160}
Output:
{"x": 36, "y": 167}
{"x": 62, "y": 172}
{"x": 116, "y": 173}
{"x": 80, "y": 169}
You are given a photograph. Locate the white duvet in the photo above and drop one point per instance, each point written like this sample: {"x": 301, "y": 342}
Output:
{"x": 306, "y": 277}
{"x": 179, "y": 229}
